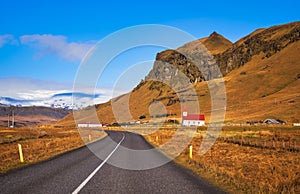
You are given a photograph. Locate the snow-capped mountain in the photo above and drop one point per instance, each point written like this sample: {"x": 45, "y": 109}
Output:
{"x": 67, "y": 100}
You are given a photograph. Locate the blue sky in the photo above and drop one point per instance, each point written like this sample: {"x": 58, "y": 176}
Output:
{"x": 43, "y": 41}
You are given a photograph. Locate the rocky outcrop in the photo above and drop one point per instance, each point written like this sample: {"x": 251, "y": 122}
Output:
{"x": 191, "y": 63}
{"x": 188, "y": 64}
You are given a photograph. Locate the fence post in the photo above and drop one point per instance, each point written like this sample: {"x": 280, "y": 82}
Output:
{"x": 242, "y": 140}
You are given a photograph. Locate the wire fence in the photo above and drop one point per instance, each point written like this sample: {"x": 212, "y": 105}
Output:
{"x": 287, "y": 145}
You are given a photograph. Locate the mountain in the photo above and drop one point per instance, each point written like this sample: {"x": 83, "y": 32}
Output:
{"x": 261, "y": 73}
{"x": 60, "y": 100}
{"x": 31, "y": 115}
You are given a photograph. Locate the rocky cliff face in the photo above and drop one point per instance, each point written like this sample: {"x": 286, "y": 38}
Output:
{"x": 190, "y": 63}
{"x": 168, "y": 66}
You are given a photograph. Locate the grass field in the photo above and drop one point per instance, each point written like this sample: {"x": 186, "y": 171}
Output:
{"x": 39, "y": 143}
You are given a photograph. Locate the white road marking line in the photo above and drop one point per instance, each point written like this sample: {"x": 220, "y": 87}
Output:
{"x": 97, "y": 169}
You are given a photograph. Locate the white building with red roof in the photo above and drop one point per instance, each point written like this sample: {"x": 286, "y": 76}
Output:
{"x": 192, "y": 119}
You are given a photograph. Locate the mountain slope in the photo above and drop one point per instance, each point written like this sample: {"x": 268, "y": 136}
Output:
{"x": 261, "y": 73}
{"x": 264, "y": 42}
{"x": 266, "y": 88}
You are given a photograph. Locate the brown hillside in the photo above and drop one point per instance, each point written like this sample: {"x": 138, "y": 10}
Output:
{"x": 147, "y": 96}
{"x": 266, "y": 88}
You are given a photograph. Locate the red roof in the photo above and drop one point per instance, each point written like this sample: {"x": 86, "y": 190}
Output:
{"x": 198, "y": 117}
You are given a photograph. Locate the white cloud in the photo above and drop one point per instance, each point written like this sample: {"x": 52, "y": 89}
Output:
{"x": 7, "y": 39}
{"x": 40, "y": 92}
{"x": 27, "y": 88}
{"x": 58, "y": 45}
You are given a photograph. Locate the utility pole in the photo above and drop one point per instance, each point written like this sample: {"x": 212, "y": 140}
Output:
{"x": 8, "y": 115}
{"x": 11, "y": 114}
{"x": 13, "y": 119}
{"x": 8, "y": 123}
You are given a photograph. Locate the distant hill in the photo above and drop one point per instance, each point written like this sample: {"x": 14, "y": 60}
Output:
{"x": 31, "y": 115}
{"x": 261, "y": 73}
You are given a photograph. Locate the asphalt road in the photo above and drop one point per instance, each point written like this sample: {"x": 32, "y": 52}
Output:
{"x": 80, "y": 171}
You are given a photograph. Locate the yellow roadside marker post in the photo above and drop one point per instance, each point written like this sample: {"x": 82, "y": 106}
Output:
{"x": 191, "y": 152}
{"x": 21, "y": 153}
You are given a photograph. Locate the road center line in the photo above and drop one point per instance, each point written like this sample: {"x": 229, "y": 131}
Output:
{"x": 97, "y": 169}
